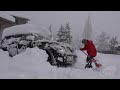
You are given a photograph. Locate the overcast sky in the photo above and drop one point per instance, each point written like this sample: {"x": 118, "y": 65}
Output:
{"x": 108, "y": 21}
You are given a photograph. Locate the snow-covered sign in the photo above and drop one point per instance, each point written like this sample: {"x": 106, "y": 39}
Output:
{"x": 7, "y": 16}
{"x": 16, "y": 14}
{"x": 25, "y": 29}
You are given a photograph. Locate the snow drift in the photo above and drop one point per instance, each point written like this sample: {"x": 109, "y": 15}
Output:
{"x": 32, "y": 64}
{"x": 24, "y": 65}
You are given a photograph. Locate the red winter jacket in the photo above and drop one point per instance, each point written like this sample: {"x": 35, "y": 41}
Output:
{"x": 90, "y": 48}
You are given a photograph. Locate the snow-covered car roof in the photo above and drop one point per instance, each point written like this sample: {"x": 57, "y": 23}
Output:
{"x": 6, "y": 16}
{"x": 25, "y": 29}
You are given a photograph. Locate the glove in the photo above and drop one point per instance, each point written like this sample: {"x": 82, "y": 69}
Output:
{"x": 81, "y": 49}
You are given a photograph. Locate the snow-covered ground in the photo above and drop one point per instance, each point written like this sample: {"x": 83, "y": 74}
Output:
{"x": 32, "y": 64}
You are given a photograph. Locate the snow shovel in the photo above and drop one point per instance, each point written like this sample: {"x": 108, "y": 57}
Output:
{"x": 95, "y": 61}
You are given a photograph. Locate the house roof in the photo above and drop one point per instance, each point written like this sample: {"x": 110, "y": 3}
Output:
{"x": 7, "y": 17}
{"x": 14, "y": 14}
{"x": 10, "y": 16}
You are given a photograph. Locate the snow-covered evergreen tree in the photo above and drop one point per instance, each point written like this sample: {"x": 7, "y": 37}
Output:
{"x": 102, "y": 42}
{"x": 64, "y": 34}
{"x": 113, "y": 42}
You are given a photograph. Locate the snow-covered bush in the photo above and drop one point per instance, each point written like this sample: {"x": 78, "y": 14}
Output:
{"x": 17, "y": 38}
{"x": 16, "y": 44}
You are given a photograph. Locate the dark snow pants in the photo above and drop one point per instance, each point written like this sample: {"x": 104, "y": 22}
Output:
{"x": 89, "y": 62}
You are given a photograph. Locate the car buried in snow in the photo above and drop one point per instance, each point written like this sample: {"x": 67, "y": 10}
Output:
{"x": 59, "y": 54}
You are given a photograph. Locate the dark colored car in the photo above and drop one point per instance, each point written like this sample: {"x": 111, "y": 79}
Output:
{"x": 61, "y": 55}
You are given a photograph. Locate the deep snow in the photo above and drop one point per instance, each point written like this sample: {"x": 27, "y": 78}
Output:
{"x": 32, "y": 64}
{"x": 25, "y": 29}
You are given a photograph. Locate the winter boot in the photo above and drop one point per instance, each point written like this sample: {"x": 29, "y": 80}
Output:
{"x": 88, "y": 66}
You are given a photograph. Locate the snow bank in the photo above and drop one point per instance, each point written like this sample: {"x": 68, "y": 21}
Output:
{"x": 24, "y": 65}
{"x": 6, "y": 16}
{"x": 32, "y": 64}
{"x": 24, "y": 29}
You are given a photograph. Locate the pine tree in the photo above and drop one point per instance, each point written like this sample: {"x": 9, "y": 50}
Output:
{"x": 64, "y": 34}
{"x": 113, "y": 42}
{"x": 102, "y": 42}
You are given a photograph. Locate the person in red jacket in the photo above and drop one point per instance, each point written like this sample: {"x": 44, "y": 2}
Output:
{"x": 91, "y": 51}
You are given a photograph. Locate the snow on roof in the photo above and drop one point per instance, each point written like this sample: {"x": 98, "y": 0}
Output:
{"x": 6, "y": 16}
{"x": 24, "y": 29}
{"x": 16, "y": 14}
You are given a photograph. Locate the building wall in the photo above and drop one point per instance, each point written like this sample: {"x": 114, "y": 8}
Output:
{"x": 4, "y": 24}
{"x": 1, "y": 32}
{"x": 19, "y": 21}
{"x": 2, "y": 27}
